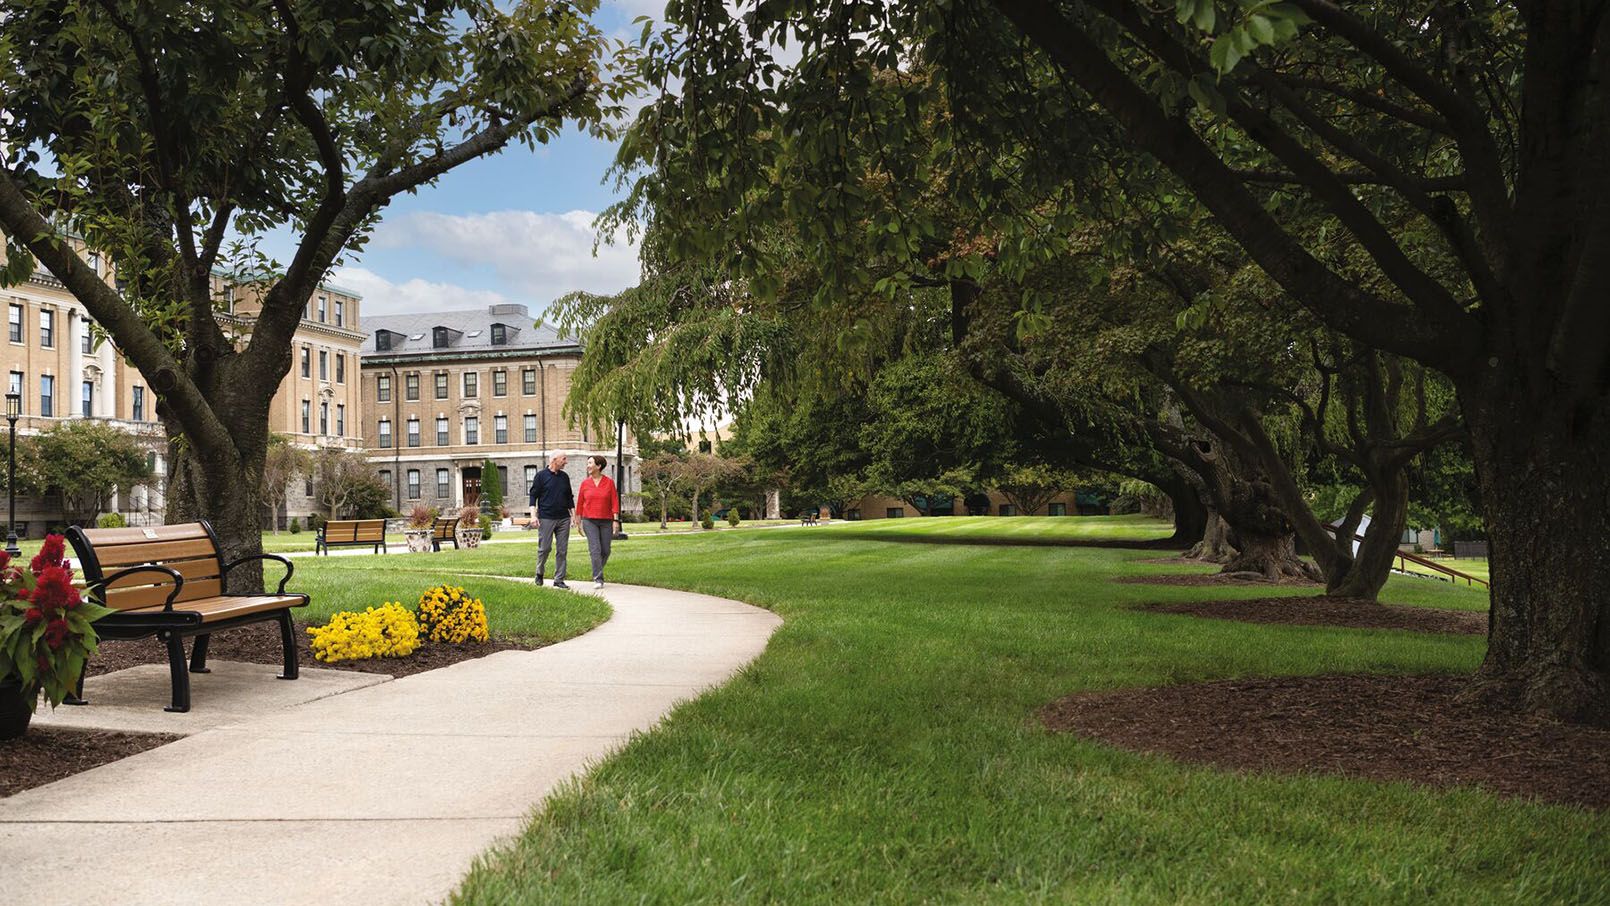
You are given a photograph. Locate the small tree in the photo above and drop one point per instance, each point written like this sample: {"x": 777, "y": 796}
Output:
{"x": 281, "y": 465}
{"x": 85, "y": 461}
{"x": 1030, "y": 487}
{"x": 701, "y": 471}
{"x": 491, "y": 488}
{"x": 662, "y": 477}
{"x": 340, "y": 478}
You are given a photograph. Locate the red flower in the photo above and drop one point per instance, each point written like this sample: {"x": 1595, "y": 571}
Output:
{"x": 5, "y": 560}
{"x": 56, "y": 633}
{"x": 32, "y": 616}
{"x": 54, "y": 590}
{"x": 49, "y": 555}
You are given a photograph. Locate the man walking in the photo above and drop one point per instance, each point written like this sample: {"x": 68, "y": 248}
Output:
{"x": 551, "y": 503}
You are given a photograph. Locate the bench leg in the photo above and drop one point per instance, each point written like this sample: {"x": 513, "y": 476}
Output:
{"x": 198, "y": 654}
{"x": 180, "y": 677}
{"x": 76, "y": 697}
{"x": 288, "y": 641}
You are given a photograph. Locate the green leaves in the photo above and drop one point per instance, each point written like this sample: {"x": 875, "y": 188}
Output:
{"x": 1251, "y": 24}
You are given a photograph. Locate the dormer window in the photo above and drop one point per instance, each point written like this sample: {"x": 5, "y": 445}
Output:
{"x": 500, "y": 335}
{"x": 382, "y": 341}
{"x": 441, "y": 337}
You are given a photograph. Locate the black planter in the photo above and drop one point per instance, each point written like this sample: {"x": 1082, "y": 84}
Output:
{"x": 14, "y": 711}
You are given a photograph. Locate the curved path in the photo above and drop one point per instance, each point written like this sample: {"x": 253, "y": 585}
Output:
{"x": 382, "y": 795}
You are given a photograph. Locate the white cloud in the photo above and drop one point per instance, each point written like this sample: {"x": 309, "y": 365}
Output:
{"x": 631, "y": 9}
{"x": 536, "y": 257}
{"x": 383, "y": 297}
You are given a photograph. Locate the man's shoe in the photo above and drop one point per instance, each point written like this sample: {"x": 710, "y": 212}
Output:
{"x": 539, "y": 578}
{"x": 599, "y": 584}
{"x": 559, "y": 583}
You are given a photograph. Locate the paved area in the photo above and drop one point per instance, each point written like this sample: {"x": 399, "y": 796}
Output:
{"x": 380, "y": 795}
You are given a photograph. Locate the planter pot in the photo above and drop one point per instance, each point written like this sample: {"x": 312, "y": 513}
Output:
{"x": 14, "y": 711}
{"x": 469, "y": 537}
{"x": 418, "y": 541}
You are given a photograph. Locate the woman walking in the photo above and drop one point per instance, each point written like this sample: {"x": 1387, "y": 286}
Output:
{"x": 598, "y": 506}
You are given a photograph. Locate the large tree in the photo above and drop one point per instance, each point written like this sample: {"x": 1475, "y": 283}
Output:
{"x": 172, "y": 135}
{"x": 83, "y": 461}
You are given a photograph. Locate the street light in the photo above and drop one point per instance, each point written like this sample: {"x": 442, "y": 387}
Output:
{"x": 620, "y": 478}
{"x": 13, "y": 412}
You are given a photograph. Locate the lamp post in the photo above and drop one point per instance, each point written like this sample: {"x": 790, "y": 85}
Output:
{"x": 620, "y": 477}
{"x": 13, "y": 411}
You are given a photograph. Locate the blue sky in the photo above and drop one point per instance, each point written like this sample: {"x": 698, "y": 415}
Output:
{"x": 513, "y": 227}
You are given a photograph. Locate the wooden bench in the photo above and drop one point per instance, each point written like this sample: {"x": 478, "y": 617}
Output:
{"x": 807, "y": 518}
{"x": 445, "y": 528}
{"x": 170, "y": 582}
{"x": 349, "y": 533}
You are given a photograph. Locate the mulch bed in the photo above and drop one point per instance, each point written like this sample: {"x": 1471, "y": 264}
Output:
{"x": 45, "y": 754}
{"x": 1408, "y": 728}
{"x": 1196, "y": 580}
{"x": 1331, "y": 610}
{"x": 259, "y": 643}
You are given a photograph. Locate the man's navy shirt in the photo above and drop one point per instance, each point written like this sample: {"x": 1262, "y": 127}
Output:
{"x": 551, "y": 495}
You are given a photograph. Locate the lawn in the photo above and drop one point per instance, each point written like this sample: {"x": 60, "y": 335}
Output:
{"x": 884, "y": 749}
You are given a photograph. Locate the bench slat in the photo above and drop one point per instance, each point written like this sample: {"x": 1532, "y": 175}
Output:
{"x": 114, "y": 557}
{"x": 153, "y": 595}
{"x": 119, "y": 536}
{"x": 215, "y": 609}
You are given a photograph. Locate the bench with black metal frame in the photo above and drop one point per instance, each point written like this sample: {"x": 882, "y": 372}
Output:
{"x": 351, "y": 533}
{"x": 444, "y": 528}
{"x": 171, "y": 582}
{"x": 807, "y": 519}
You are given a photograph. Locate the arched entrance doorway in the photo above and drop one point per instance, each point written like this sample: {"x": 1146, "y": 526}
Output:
{"x": 472, "y": 485}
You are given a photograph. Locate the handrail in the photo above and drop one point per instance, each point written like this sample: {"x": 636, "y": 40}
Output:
{"x": 1403, "y": 556}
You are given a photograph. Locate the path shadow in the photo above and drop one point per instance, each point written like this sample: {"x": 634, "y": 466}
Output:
{"x": 1133, "y": 544}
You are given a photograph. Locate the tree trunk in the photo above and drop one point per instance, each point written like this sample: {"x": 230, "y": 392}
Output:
{"x": 1272, "y": 556}
{"x": 1371, "y": 566}
{"x": 229, "y": 498}
{"x": 1214, "y": 544}
{"x": 1191, "y": 517}
{"x": 1544, "y": 473}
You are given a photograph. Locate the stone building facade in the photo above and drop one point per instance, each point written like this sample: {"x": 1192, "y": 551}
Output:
{"x": 443, "y": 392}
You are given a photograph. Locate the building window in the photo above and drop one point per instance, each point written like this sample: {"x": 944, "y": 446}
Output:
{"x": 530, "y": 429}
{"x": 411, "y": 386}
{"x": 340, "y": 368}
{"x": 413, "y": 432}
{"x": 323, "y": 305}
{"x": 307, "y": 417}
{"x": 47, "y": 329}
{"x": 16, "y": 323}
{"x": 472, "y": 430}
{"x": 441, "y": 432}
{"x": 895, "y": 512}
{"x": 47, "y": 395}
{"x": 1059, "y": 509}
{"x": 472, "y": 385}
{"x": 16, "y": 387}
{"x": 86, "y": 343}
{"x": 385, "y": 478}
{"x": 439, "y": 337}
{"x": 530, "y": 477}
{"x": 324, "y": 365}
{"x": 382, "y": 341}
{"x": 139, "y": 403}
{"x": 95, "y": 263}
{"x": 385, "y": 433}
{"x": 413, "y": 484}
{"x": 88, "y": 399}
{"x": 852, "y": 514}
{"x": 503, "y": 479}
{"x": 340, "y": 419}
{"x": 500, "y": 429}
{"x": 500, "y": 335}
{"x": 307, "y": 362}
{"x": 441, "y": 482}
{"x": 500, "y": 383}
{"x": 1006, "y": 509}
{"x": 441, "y": 385}
{"x": 528, "y": 381}
{"x": 307, "y": 483}
{"x": 340, "y": 313}
{"x": 324, "y": 418}
{"x": 383, "y": 387}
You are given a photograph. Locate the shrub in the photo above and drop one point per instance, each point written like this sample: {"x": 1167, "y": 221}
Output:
{"x": 315, "y": 522}
{"x": 389, "y": 630}
{"x": 469, "y": 516}
{"x": 111, "y": 520}
{"x": 732, "y": 517}
{"x": 707, "y": 522}
{"x": 448, "y": 614}
{"x": 420, "y": 516}
{"x": 486, "y": 525}
{"x": 296, "y": 526}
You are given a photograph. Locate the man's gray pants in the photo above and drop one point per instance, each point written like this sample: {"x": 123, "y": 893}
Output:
{"x": 598, "y": 532}
{"x": 547, "y": 531}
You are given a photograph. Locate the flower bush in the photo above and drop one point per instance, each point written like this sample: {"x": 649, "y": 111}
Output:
{"x": 389, "y": 630}
{"x": 448, "y": 614}
{"x": 46, "y": 631}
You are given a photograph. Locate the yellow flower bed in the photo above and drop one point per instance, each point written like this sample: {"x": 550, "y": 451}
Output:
{"x": 389, "y": 630}
{"x": 448, "y": 614}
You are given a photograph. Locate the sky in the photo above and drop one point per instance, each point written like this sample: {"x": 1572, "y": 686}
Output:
{"x": 513, "y": 227}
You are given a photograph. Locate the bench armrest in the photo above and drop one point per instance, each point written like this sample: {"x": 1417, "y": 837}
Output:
{"x": 289, "y": 569}
{"x": 178, "y": 582}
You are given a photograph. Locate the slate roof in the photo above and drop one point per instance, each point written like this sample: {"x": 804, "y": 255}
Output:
{"x": 474, "y": 327}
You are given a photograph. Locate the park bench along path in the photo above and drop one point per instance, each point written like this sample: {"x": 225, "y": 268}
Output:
{"x": 382, "y": 795}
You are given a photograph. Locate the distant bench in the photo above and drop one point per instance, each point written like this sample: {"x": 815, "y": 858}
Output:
{"x": 807, "y": 518}
{"x": 169, "y": 581}
{"x": 350, "y": 533}
{"x": 444, "y": 528}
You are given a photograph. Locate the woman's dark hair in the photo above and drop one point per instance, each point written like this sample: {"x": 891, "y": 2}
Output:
{"x": 600, "y": 460}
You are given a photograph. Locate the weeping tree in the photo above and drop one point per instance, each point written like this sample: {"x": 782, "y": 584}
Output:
{"x": 171, "y": 136}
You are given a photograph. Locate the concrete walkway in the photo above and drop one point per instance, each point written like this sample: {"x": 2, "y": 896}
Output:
{"x": 381, "y": 795}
